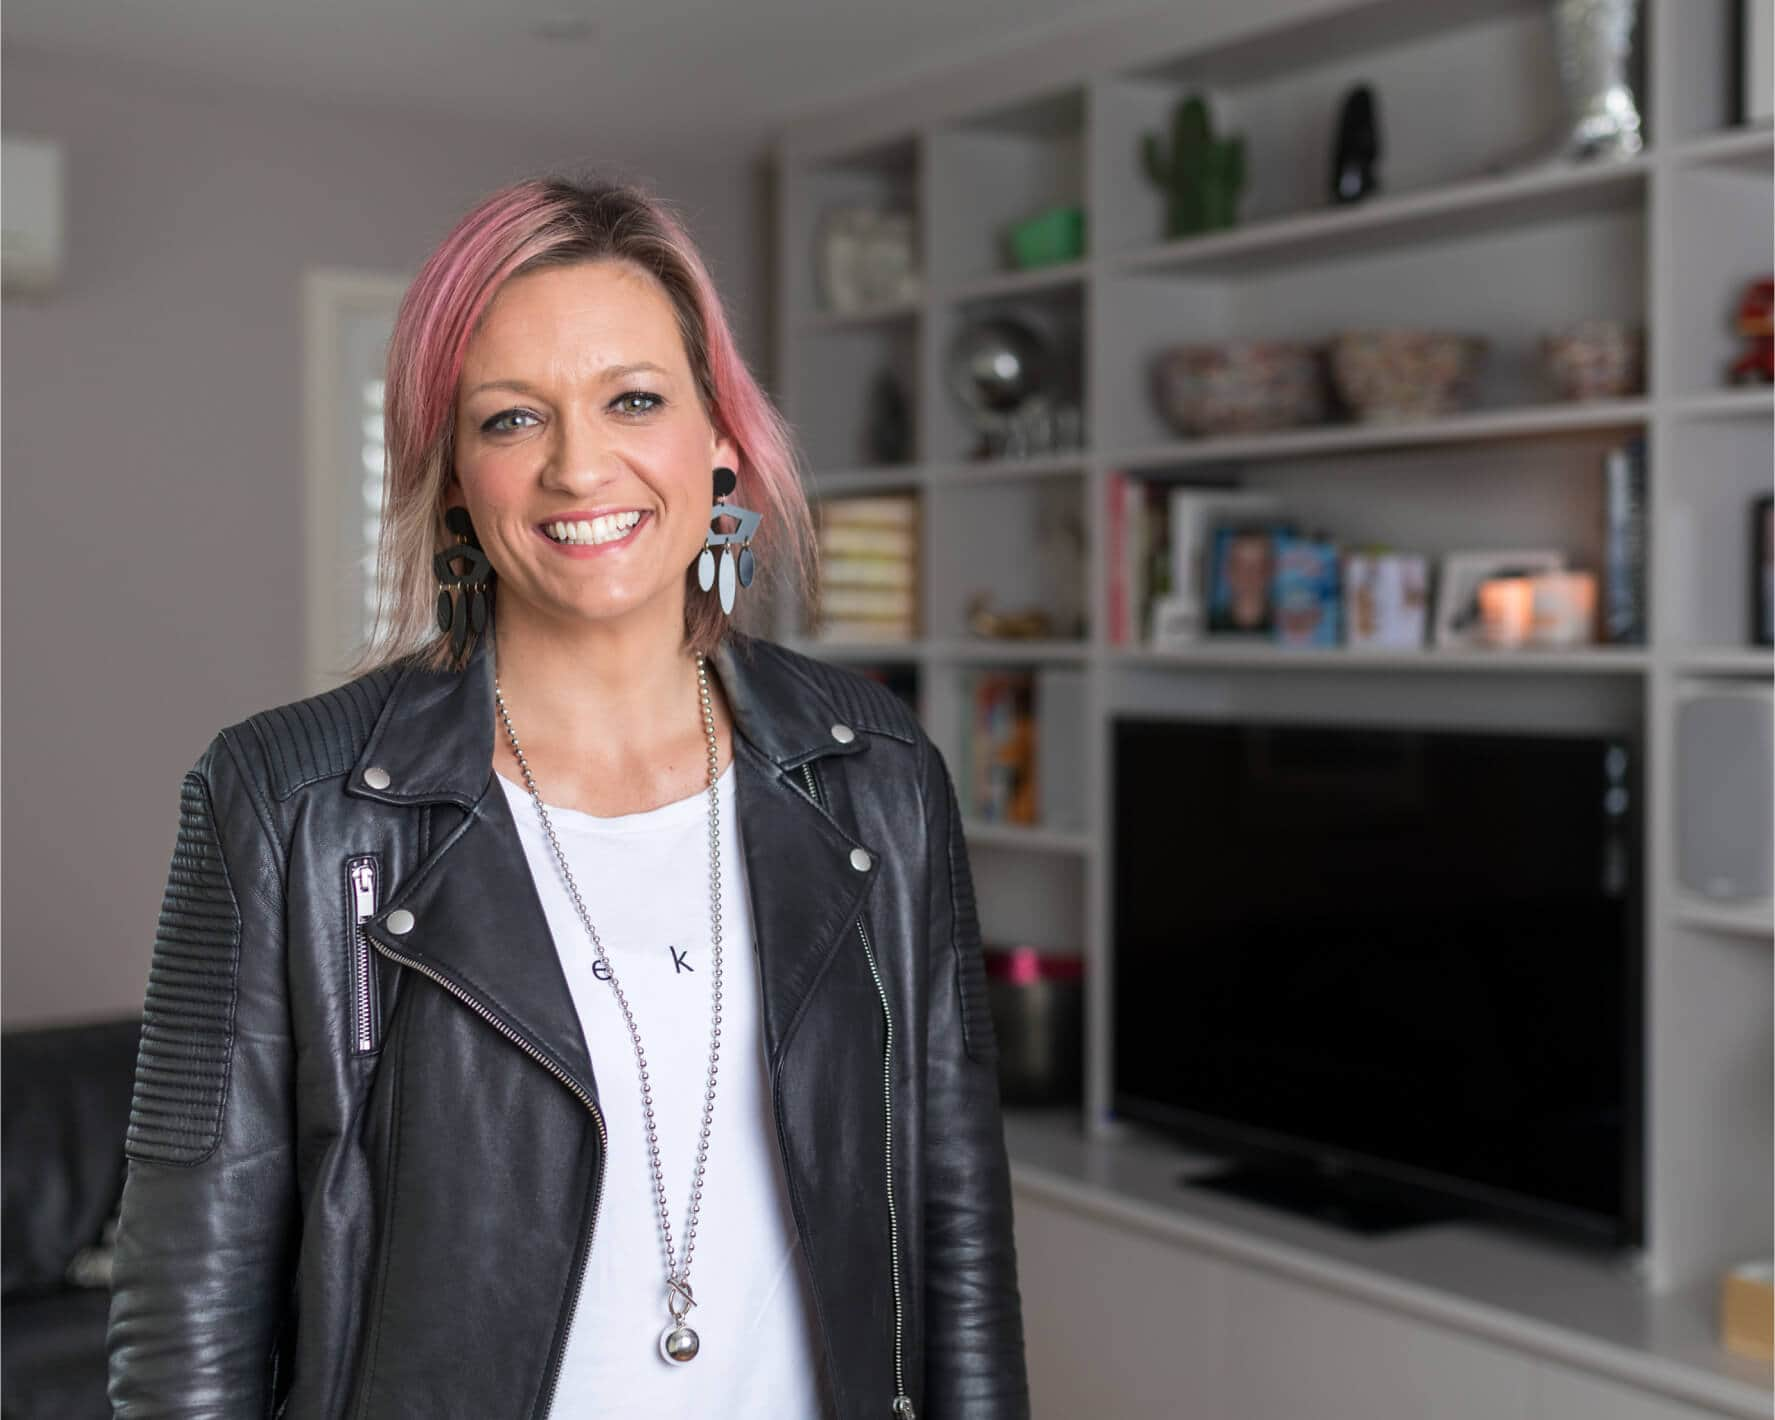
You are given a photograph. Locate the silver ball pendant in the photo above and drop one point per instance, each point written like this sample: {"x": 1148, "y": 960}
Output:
{"x": 678, "y": 1343}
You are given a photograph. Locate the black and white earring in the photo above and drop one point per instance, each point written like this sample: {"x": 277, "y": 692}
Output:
{"x": 466, "y": 610}
{"x": 735, "y": 548}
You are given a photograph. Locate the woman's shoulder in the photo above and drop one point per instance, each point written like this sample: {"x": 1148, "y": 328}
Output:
{"x": 320, "y": 736}
{"x": 861, "y": 701}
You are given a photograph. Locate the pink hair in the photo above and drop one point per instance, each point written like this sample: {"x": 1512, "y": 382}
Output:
{"x": 530, "y": 225}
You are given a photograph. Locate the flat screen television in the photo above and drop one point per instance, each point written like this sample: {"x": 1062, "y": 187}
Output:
{"x": 1394, "y": 973}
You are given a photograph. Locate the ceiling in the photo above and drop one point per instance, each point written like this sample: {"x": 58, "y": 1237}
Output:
{"x": 679, "y": 73}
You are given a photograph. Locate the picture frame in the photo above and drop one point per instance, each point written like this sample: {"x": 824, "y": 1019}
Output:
{"x": 1242, "y": 578}
{"x": 1457, "y": 624}
{"x": 1762, "y": 570}
{"x": 1386, "y": 600}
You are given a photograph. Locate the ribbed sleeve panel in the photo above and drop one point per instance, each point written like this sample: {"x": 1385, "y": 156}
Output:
{"x": 181, "y": 1079}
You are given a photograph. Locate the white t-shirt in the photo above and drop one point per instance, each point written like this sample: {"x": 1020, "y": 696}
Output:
{"x": 644, "y": 879}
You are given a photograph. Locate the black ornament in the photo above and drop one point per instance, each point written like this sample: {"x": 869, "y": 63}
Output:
{"x": 889, "y": 435}
{"x": 725, "y": 482}
{"x": 1353, "y": 174}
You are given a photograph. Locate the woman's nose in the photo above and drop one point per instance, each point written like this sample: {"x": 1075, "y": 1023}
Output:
{"x": 583, "y": 454}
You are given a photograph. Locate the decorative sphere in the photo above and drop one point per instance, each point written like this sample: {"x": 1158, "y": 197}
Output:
{"x": 997, "y": 364}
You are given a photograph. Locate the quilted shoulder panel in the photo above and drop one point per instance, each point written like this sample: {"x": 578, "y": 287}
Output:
{"x": 181, "y": 1081}
{"x": 864, "y": 704}
{"x": 323, "y": 735}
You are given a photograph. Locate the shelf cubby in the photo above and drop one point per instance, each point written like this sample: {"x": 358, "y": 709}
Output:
{"x": 1716, "y": 468}
{"x": 1054, "y": 314}
{"x": 836, "y": 371}
{"x": 1023, "y": 549}
{"x": 1720, "y": 217}
{"x": 991, "y": 171}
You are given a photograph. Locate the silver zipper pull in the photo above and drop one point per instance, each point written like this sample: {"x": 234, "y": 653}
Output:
{"x": 903, "y": 1408}
{"x": 363, "y": 888}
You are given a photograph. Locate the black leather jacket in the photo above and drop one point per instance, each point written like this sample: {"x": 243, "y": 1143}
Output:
{"x": 365, "y": 1145}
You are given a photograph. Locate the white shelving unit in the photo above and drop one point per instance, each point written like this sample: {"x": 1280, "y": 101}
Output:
{"x": 1467, "y": 235}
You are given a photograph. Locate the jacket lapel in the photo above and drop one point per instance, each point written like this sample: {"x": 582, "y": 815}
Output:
{"x": 477, "y": 922}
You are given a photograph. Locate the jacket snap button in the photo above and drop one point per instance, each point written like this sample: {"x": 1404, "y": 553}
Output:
{"x": 844, "y": 734}
{"x": 400, "y": 921}
{"x": 860, "y": 860}
{"x": 376, "y": 777}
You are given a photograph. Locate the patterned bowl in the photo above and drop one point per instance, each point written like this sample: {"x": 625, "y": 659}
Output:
{"x": 1399, "y": 374}
{"x": 1595, "y": 359}
{"x": 1241, "y": 387}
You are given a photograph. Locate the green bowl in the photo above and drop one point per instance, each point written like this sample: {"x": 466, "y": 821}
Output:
{"x": 1048, "y": 237}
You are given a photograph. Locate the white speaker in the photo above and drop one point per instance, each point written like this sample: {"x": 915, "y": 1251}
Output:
{"x": 1725, "y": 760}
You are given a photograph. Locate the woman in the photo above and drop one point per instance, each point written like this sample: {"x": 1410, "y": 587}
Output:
{"x": 580, "y": 1011}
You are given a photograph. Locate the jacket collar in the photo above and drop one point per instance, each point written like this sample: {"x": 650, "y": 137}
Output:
{"x": 477, "y": 924}
{"x": 434, "y": 738}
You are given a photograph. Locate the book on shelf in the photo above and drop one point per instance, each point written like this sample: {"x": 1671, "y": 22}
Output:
{"x": 1139, "y": 554}
{"x": 1025, "y": 740}
{"x": 999, "y": 754}
{"x": 1308, "y": 594}
{"x": 869, "y": 585}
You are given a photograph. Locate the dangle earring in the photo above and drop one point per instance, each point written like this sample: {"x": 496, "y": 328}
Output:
{"x": 466, "y": 610}
{"x": 737, "y": 563}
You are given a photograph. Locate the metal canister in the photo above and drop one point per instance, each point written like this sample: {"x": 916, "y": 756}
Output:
{"x": 1037, "y": 1003}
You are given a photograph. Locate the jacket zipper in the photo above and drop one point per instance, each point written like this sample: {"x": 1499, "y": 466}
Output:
{"x": 363, "y": 900}
{"x": 902, "y": 1407}
{"x": 585, "y": 1241}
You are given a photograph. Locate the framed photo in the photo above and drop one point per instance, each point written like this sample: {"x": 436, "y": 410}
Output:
{"x": 1386, "y": 600}
{"x": 1762, "y": 571}
{"x": 1457, "y": 592}
{"x": 1242, "y": 578}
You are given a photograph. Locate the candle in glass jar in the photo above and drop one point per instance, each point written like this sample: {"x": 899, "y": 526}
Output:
{"x": 1564, "y": 608}
{"x": 1505, "y": 607}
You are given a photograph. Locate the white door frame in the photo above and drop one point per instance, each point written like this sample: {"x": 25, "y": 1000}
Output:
{"x": 328, "y": 296}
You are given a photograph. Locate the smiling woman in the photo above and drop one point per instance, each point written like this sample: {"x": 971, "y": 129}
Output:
{"x": 439, "y": 1080}
{"x": 562, "y": 458}
{"x": 545, "y": 301}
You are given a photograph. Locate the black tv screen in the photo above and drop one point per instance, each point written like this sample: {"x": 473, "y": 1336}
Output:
{"x": 1410, "y": 956}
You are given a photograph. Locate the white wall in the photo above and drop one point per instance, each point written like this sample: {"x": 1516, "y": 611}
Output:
{"x": 152, "y": 532}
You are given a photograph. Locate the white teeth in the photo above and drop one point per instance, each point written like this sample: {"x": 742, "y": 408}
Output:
{"x": 595, "y": 530}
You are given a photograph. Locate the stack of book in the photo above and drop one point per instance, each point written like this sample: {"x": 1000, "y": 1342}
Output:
{"x": 869, "y": 569}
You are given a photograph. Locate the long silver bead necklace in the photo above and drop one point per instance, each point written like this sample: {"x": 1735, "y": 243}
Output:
{"x": 678, "y": 1342}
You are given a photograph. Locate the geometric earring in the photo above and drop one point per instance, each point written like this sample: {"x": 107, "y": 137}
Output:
{"x": 736, "y": 562}
{"x": 462, "y": 595}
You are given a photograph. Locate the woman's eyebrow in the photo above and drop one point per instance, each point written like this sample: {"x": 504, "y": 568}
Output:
{"x": 608, "y": 373}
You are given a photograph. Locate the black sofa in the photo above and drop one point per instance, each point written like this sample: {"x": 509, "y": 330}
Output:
{"x": 64, "y": 1106}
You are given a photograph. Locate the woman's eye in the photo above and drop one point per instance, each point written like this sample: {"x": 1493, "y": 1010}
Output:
{"x": 499, "y": 423}
{"x": 623, "y": 405}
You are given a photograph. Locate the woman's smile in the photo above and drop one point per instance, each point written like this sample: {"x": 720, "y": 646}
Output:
{"x": 590, "y": 536}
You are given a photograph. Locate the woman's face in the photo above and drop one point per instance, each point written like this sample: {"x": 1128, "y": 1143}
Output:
{"x": 577, "y": 401}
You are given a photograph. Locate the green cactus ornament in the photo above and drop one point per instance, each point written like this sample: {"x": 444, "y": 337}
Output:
{"x": 1201, "y": 176}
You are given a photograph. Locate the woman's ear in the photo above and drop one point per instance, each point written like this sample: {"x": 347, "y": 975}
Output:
{"x": 727, "y": 454}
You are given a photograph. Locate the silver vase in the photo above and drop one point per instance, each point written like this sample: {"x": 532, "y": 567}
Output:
{"x": 1594, "y": 39}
